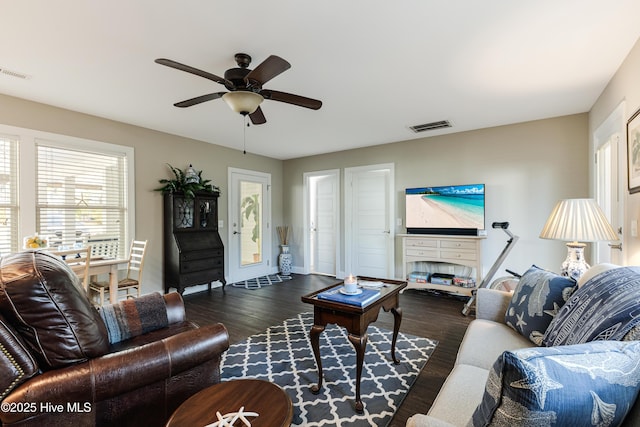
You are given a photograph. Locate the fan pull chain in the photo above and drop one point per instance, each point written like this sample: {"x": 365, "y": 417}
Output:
{"x": 244, "y": 150}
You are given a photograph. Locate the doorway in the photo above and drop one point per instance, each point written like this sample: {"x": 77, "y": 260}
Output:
{"x": 369, "y": 232}
{"x": 322, "y": 222}
{"x": 610, "y": 183}
{"x": 249, "y": 224}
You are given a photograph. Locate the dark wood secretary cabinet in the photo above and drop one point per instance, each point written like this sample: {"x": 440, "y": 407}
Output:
{"x": 193, "y": 250}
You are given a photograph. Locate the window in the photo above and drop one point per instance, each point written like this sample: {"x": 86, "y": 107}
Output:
{"x": 68, "y": 190}
{"x": 8, "y": 194}
{"x": 81, "y": 196}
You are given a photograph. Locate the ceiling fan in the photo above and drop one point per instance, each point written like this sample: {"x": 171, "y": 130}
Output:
{"x": 245, "y": 86}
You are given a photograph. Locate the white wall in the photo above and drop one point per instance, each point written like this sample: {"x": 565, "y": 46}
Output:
{"x": 526, "y": 167}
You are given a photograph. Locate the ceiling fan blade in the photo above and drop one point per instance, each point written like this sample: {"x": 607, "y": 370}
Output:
{"x": 257, "y": 117}
{"x": 268, "y": 69}
{"x": 199, "y": 99}
{"x": 290, "y": 98}
{"x": 190, "y": 69}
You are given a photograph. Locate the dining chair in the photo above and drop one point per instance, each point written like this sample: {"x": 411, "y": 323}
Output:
{"x": 80, "y": 262}
{"x": 131, "y": 284}
{"x": 105, "y": 246}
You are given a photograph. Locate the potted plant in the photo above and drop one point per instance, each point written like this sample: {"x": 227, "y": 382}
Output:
{"x": 183, "y": 183}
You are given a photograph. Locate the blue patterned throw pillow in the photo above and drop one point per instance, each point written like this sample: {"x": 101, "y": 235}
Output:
{"x": 536, "y": 300}
{"x": 579, "y": 385}
{"x": 606, "y": 307}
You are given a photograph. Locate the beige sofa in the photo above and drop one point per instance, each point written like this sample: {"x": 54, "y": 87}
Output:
{"x": 486, "y": 338}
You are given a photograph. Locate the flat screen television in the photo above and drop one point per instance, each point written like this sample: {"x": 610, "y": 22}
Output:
{"x": 452, "y": 209}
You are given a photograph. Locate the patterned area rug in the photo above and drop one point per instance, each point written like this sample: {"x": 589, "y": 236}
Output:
{"x": 283, "y": 355}
{"x": 258, "y": 282}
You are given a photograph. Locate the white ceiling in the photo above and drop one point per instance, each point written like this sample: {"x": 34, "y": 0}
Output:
{"x": 379, "y": 66}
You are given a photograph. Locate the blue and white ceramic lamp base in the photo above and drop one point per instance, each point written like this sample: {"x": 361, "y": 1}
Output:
{"x": 575, "y": 265}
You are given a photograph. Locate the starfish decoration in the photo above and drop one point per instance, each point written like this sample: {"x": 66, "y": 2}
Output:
{"x": 228, "y": 420}
{"x": 520, "y": 323}
{"x": 554, "y": 311}
{"x": 538, "y": 382}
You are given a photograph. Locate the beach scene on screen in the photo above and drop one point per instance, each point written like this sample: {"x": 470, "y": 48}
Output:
{"x": 460, "y": 206}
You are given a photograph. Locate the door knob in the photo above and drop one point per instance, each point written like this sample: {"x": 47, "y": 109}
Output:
{"x": 617, "y": 246}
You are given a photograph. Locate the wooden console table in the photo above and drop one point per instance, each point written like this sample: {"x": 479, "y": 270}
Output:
{"x": 446, "y": 249}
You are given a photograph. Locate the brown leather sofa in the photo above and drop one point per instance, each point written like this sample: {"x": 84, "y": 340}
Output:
{"x": 58, "y": 367}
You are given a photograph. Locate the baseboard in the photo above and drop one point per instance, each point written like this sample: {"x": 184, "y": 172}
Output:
{"x": 297, "y": 270}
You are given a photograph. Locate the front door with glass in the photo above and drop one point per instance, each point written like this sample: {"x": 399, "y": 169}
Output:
{"x": 250, "y": 229}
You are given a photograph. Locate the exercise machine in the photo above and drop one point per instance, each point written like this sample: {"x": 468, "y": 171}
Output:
{"x": 492, "y": 271}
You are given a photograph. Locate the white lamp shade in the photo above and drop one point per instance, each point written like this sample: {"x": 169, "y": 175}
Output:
{"x": 242, "y": 101}
{"x": 578, "y": 220}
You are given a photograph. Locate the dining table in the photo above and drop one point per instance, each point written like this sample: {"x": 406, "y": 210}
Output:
{"x": 103, "y": 265}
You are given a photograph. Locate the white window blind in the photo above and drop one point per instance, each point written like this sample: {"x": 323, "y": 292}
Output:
{"x": 8, "y": 194}
{"x": 81, "y": 197}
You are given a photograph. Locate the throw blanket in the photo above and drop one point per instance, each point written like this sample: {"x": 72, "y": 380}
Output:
{"x": 134, "y": 316}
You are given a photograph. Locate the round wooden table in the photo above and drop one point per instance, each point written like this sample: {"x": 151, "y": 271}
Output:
{"x": 270, "y": 401}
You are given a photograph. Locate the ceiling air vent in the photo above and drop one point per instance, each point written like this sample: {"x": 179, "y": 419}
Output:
{"x": 4, "y": 71}
{"x": 431, "y": 126}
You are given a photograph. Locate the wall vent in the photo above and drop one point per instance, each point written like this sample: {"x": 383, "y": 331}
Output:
{"x": 431, "y": 126}
{"x": 16, "y": 74}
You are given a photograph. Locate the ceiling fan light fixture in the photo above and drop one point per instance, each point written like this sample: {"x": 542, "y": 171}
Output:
{"x": 242, "y": 101}
{"x": 245, "y": 86}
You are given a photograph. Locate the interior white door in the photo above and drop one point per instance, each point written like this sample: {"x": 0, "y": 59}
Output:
{"x": 249, "y": 224}
{"x": 609, "y": 197}
{"x": 369, "y": 231}
{"x": 323, "y": 223}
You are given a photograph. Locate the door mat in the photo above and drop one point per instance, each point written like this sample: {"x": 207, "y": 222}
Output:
{"x": 258, "y": 282}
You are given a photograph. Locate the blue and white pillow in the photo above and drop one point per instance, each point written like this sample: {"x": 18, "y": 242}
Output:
{"x": 604, "y": 308}
{"x": 585, "y": 384}
{"x": 536, "y": 300}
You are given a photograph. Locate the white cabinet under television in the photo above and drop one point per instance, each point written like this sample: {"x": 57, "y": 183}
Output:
{"x": 447, "y": 254}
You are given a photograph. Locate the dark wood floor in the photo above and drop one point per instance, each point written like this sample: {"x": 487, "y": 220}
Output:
{"x": 246, "y": 312}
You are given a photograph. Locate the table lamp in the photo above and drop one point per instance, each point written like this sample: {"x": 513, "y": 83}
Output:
{"x": 574, "y": 221}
